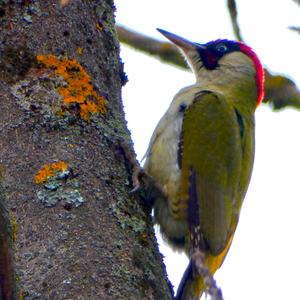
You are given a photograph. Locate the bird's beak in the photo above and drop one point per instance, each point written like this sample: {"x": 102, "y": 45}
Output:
{"x": 182, "y": 43}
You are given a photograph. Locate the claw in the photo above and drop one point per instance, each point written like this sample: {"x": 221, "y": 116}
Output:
{"x": 136, "y": 189}
{"x": 137, "y": 175}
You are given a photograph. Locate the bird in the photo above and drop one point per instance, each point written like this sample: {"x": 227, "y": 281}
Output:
{"x": 201, "y": 153}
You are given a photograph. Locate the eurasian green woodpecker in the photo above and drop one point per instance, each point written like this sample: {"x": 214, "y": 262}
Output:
{"x": 201, "y": 152}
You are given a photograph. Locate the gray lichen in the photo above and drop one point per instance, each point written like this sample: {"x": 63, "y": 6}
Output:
{"x": 66, "y": 196}
{"x": 63, "y": 188}
{"x": 128, "y": 221}
{"x": 27, "y": 18}
{"x": 38, "y": 94}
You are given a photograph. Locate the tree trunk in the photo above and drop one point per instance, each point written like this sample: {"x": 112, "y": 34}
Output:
{"x": 69, "y": 228}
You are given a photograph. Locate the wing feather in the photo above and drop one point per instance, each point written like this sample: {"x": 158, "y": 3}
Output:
{"x": 211, "y": 168}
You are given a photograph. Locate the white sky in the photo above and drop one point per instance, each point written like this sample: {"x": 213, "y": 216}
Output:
{"x": 264, "y": 261}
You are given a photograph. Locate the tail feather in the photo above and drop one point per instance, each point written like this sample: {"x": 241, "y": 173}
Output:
{"x": 191, "y": 287}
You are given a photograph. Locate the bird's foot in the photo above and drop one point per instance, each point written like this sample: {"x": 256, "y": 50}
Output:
{"x": 141, "y": 180}
{"x": 132, "y": 163}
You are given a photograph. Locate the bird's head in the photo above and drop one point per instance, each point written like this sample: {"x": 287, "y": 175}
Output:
{"x": 221, "y": 60}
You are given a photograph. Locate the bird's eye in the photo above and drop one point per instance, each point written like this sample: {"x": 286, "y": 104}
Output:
{"x": 221, "y": 48}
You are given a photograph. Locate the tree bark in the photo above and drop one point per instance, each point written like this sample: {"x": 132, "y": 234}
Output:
{"x": 69, "y": 229}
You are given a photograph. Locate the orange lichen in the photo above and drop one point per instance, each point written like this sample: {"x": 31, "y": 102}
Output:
{"x": 48, "y": 171}
{"x": 79, "y": 50}
{"x": 79, "y": 89}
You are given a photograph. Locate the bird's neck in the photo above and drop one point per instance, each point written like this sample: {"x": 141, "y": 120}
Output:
{"x": 239, "y": 88}
{"x": 238, "y": 77}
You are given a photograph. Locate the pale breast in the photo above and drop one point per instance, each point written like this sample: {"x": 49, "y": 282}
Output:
{"x": 162, "y": 155}
{"x": 162, "y": 158}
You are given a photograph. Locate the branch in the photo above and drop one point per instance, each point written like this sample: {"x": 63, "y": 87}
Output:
{"x": 297, "y": 1}
{"x": 280, "y": 91}
{"x": 164, "y": 51}
{"x": 295, "y": 28}
{"x": 233, "y": 16}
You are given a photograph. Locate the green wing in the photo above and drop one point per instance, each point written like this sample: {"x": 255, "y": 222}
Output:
{"x": 212, "y": 165}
